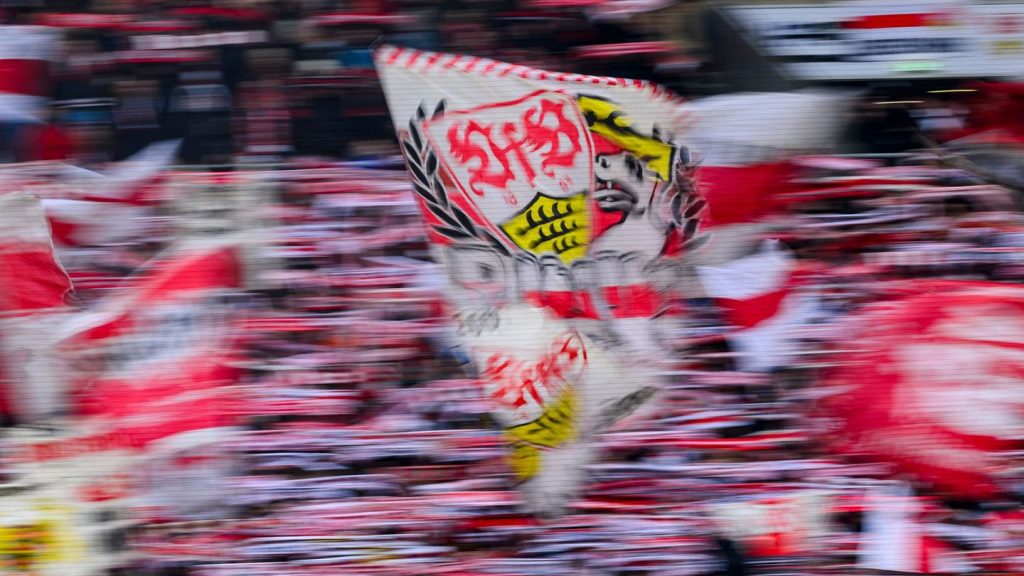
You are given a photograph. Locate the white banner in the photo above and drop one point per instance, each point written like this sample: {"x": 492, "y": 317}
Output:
{"x": 862, "y": 40}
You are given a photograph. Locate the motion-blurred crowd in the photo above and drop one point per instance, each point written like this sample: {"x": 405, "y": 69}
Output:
{"x": 366, "y": 448}
{"x": 271, "y": 79}
{"x": 364, "y": 444}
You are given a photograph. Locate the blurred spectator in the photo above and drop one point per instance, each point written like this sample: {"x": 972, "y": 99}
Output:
{"x": 200, "y": 107}
{"x": 50, "y": 141}
{"x": 468, "y": 32}
{"x": 731, "y": 558}
{"x": 12, "y": 131}
{"x": 937, "y": 120}
{"x": 136, "y": 116}
{"x": 265, "y": 122}
{"x": 89, "y": 125}
{"x": 886, "y": 128}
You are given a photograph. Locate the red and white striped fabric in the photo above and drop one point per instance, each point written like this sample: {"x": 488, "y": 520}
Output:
{"x": 743, "y": 143}
{"x": 564, "y": 3}
{"x": 160, "y": 56}
{"x": 83, "y": 223}
{"x": 33, "y": 292}
{"x": 624, "y": 9}
{"x": 166, "y": 343}
{"x": 908, "y": 258}
{"x": 266, "y": 125}
{"x": 757, "y": 295}
{"x": 31, "y": 277}
{"x": 624, "y": 49}
{"x": 740, "y": 194}
{"x": 894, "y": 538}
{"x": 425, "y": 63}
{"x": 84, "y": 20}
{"x": 108, "y": 207}
{"x": 190, "y": 41}
{"x": 750, "y": 128}
{"x": 25, "y": 56}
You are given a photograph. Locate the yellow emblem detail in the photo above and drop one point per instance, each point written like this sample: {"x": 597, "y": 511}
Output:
{"x": 560, "y": 226}
{"x": 555, "y": 426}
{"x": 525, "y": 461}
{"x": 45, "y": 539}
{"x": 609, "y": 120}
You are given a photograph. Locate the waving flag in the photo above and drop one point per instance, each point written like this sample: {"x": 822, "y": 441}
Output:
{"x": 168, "y": 334}
{"x": 758, "y": 296}
{"x": 145, "y": 376}
{"x": 109, "y": 206}
{"x": 125, "y": 181}
{"x": 787, "y": 524}
{"x": 84, "y": 223}
{"x": 25, "y": 56}
{"x": 932, "y": 384}
{"x": 33, "y": 278}
{"x": 144, "y": 372}
{"x": 558, "y": 203}
{"x": 743, "y": 142}
{"x": 34, "y": 288}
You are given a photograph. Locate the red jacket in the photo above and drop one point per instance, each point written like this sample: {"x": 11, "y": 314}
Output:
{"x": 46, "y": 143}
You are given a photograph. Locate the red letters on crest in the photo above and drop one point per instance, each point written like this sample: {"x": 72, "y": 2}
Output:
{"x": 517, "y": 380}
{"x": 503, "y": 152}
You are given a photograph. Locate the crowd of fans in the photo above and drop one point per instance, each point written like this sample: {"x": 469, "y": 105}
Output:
{"x": 273, "y": 79}
{"x": 364, "y": 443}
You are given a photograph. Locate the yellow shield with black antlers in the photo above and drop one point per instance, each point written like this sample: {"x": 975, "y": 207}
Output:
{"x": 559, "y": 226}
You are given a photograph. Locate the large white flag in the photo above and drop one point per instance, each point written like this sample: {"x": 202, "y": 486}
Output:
{"x": 557, "y": 203}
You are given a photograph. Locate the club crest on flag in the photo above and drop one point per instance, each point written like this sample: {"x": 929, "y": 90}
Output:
{"x": 547, "y": 174}
{"x": 557, "y": 204}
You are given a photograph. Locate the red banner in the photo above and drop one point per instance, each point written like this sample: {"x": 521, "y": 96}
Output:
{"x": 168, "y": 336}
{"x": 935, "y": 386}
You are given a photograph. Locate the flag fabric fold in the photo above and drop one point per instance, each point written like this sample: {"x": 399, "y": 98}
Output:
{"x": 33, "y": 278}
{"x": 34, "y": 292}
{"x": 25, "y": 56}
{"x": 109, "y": 206}
{"x": 759, "y": 297}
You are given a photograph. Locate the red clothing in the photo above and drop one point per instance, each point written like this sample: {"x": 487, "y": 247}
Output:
{"x": 371, "y": 6}
{"x": 54, "y": 144}
{"x": 46, "y": 143}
